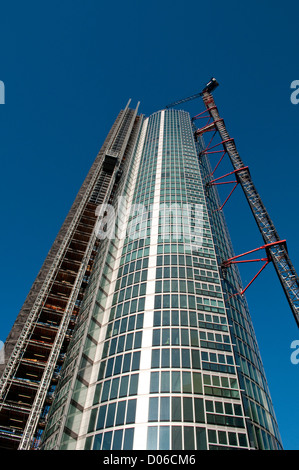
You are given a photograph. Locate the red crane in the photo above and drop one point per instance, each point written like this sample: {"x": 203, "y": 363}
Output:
{"x": 276, "y": 248}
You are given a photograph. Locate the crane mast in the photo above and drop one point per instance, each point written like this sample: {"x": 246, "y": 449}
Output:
{"x": 276, "y": 249}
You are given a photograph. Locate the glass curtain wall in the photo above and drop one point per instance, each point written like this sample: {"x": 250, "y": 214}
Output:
{"x": 164, "y": 370}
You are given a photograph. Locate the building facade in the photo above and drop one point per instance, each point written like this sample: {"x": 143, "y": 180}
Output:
{"x": 160, "y": 356}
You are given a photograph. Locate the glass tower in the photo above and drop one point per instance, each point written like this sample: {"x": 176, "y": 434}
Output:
{"x": 161, "y": 356}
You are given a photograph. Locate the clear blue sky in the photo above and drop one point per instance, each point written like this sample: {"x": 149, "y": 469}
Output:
{"x": 69, "y": 66}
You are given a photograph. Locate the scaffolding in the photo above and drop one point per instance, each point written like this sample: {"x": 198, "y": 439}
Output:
{"x": 29, "y": 380}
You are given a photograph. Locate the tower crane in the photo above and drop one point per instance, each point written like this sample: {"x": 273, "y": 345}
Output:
{"x": 275, "y": 247}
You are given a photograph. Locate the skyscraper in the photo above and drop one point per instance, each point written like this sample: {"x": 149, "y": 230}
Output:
{"x": 130, "y": 338}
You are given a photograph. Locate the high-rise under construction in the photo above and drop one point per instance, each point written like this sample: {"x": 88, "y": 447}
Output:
{"x": 132, "y": 336}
